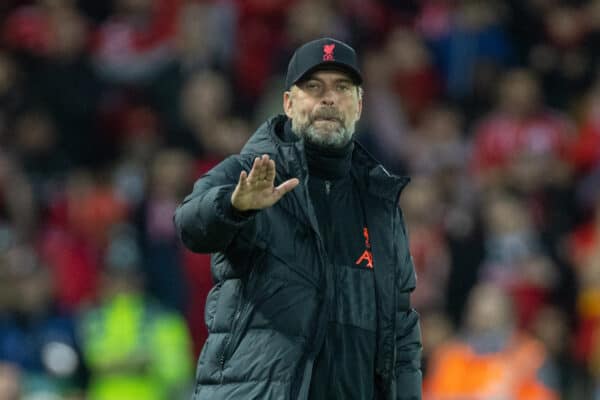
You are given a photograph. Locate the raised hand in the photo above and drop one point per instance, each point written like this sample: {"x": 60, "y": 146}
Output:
{"x": 256, "y": 190}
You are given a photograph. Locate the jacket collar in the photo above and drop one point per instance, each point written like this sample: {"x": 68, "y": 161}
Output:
{"x": 380, "y": 183}
{"x": 268, "y": 139}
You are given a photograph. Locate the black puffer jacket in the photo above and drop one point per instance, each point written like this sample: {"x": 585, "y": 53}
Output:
{"x": 267, "y": 313}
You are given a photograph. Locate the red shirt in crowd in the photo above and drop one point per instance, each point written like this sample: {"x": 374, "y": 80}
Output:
{"x": 500, "y": 137}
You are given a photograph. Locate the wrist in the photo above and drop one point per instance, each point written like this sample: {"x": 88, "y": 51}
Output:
{"x": 236, "y": 208}
{"x": 234, "y": 212}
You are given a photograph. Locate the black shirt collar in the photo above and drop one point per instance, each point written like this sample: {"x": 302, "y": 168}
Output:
{"x": 323, "y": 162}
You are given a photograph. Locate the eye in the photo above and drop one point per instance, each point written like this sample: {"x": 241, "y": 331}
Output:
{"x": 343, "y": 87}
{"x": 312, "y": 86}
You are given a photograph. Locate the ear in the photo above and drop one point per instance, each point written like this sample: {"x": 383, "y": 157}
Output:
{"x": 287, "y": 103}
{"x": 359, "y": 109}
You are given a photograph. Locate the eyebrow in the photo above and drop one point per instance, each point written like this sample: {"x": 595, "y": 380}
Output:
{"x": 337, "y": 80}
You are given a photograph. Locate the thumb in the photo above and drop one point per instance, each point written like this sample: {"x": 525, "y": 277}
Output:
{"x": 287, "y": 186}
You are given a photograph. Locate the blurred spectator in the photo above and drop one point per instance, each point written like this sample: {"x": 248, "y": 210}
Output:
{"x": 437, "y": 147}
{"x": 209, "y": 131}
{"x": 10, "y": 382}
{"x": 205, "y": 100}
{"x": 588, "y": 313}
{"x": 414, "y": 77}
{"x": 434, "y": 20}
{"x": 437, "y": 329}
{"x": 515, "y": 258}
{"x": 204, "y": 42}
{"x": 521, "y": 143}
{"x": 34, "y": 333}
{"x": 524, "y": 146}
{"x": 6, "y": 289}
{"x": 553, "y": 328}
{"x": 437, "y": 150}
{"x": 585, "y": 239}
{"x": 384, "y": 126}
{"x": 259, "y": 36}
{"x": 475, "y": 40}
{"x": 563, "y": 60}
{"x": 184, "y": 285}
{"x": 137, "y": 41}
{"x": 525, "y": 22}
{"x": 77, "y": 229}
{"x": 171, "y": 174}
{"x": 485, "y": 52}
{"x": 66, "y": 84}
{"x": 139, "y": 141}
{"x": 92, "y": 207}
{"x": 11, "y": 93}
{"x": 309, "y": 19}
{"x": 73, "y": 265}
{"x": 481, "y": 361}
{"x": 584, "y": 251}
{"x": 36, "y": 148}
{"x": 205, "y": 35}
{"x": 134, "y": 348}
{"x": 586, "y": 150}
{"x": 423, "y": 212}
{"x": 17, "y": 204}
{"x": 28, "y": 28}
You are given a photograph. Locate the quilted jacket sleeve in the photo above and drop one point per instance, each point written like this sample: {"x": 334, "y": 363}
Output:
{"x": 407, "y": 368}
{"x": 205, "y": 220}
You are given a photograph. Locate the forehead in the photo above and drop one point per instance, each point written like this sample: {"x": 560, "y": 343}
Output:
{"x": 329, "y": 75}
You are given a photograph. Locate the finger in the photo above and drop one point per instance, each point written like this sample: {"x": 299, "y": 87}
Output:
{"x": 264, "y": 165}
{"x": 243, "y": 179}
{"x": 260, "y": 171}
{"x": 261, "y": 165}
{"x": 286, "y": 187}
{"x": 254, "y": 171}
{"x": 270, "y": 177}
{"x": 242, "y": 185}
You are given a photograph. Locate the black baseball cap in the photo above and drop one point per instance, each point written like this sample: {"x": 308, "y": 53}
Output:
{"x": 325, "y": 53}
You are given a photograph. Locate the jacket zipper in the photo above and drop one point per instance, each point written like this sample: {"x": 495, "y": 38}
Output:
{"x": 322, "y": 327}
{"x": 332, "y": 288}
{"x": 320, "y": 336}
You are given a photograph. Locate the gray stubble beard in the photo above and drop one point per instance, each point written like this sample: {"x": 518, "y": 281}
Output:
{"x": 336, "y": 139}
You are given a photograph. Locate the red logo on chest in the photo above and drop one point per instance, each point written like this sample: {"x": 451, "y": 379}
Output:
{"x": 366, "y": 255}
{"x": 328, "y": 52}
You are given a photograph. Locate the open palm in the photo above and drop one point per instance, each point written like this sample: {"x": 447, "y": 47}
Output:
{"x": 256, "y": 190}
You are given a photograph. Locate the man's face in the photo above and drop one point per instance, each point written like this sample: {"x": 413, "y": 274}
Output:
{"x": 324, "y": 108}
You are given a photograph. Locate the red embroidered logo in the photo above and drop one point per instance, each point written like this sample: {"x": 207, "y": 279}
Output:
{"x": 366, "y": 255}
{"x": 328, "y": 52}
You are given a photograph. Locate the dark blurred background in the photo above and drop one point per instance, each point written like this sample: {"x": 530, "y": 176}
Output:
{"x": 109, "y": 110}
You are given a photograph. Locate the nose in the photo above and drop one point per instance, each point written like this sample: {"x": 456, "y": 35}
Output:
{"x": 328, "y": 98}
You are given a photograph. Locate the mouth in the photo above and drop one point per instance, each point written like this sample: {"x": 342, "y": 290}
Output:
{"x": 326, "y": 119}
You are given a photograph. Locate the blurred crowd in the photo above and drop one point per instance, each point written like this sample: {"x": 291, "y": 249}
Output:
{"x": 109, "y": 110}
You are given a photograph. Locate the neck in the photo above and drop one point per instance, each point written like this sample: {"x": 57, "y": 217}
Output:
{"x": 328, "y": 162}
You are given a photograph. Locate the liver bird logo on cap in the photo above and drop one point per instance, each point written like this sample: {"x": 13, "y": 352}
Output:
{"x": 328, "y": 52}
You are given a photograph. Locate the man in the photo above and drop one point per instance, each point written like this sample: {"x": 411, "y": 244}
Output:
{"x": 132, "y": 346}
{"x": 479, "y": 362}
{"x": 311, "y": 261}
